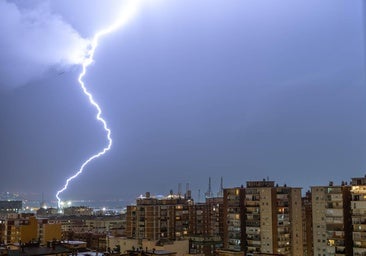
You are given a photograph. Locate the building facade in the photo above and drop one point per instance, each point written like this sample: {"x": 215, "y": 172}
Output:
{"x": 263, "y": 218}
{"x": 332, "y": 223}
{"x": 358, "y": 207}
{"x": 234, "y": 220}
{"x": 307, "y": 224}
{"x": 159, "y": 218}
{"x": 26, "y": 228}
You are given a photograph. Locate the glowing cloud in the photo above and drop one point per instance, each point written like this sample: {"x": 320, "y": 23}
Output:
{"x": 33, "y": 40}
{"x": 128, "y": 11}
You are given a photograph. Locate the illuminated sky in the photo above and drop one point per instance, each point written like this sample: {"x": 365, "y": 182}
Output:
{"x": 191, "y": 89}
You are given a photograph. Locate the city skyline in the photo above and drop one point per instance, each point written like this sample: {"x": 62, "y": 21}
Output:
{"x": 36, "y": 200}
{"x": 240, "y": 90}
{"x": 258, "y": 218}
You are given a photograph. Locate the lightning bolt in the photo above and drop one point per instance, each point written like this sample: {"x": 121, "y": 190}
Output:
{"x": 127, "y": 13}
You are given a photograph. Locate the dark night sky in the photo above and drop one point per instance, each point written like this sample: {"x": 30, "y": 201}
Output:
{"x": 191, "y": 89}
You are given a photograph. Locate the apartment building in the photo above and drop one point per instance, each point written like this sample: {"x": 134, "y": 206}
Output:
{"x": 198, "y": 219}
{"x": 215, "y": 216}
{"x": 358, "y": 207}
{"x": 48, "y": 231}
{"x": 289, "y": 220}
{"x": 332, "y": 223}
{"x": 206, "y": 226}
{"x": 78, "y": 211}
{"x": 27, "y": 228}
{"x": 260, "y": 204}
{"x": 131, "y": 221}
{"x": 263, "y": 218}
{"x": 155, "y": 218}
{"x": 234, "y": 221}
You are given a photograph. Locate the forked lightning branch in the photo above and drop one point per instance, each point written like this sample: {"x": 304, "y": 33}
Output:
{"x": 127, "y": 12}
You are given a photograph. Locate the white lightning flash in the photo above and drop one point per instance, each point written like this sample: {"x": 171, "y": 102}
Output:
{"x": 128, "y": 11}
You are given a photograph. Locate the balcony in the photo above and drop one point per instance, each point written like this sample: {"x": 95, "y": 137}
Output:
{"x": 253, "y": 223}
{"x": 253, "y": 217}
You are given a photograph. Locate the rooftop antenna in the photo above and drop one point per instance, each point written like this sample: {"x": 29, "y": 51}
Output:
{"x": 188, "y": 194}
{"x": 221, "y": 190}
{"x": 209, "y": 191}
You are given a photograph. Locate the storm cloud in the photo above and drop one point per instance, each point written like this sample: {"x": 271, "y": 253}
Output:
{"x": 34, "y": 41}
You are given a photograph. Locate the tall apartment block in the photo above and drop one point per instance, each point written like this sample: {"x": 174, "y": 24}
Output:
{"x": 234, "y": 221}
{"x": 332, "y": 223}
{"x": 175, "y": 217}
{"x": 215, "y": 216}
{"x": 263, "y": 218}
{"x": 260, "y": 203}
{"x": 275, "y": 219}
{"x": 206, "y": 226}
{"x": 198, "y": 219}
{"x": 358, "y": 206}
{"x": 156, "y": 218}
{"x": 289, "y": 220}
